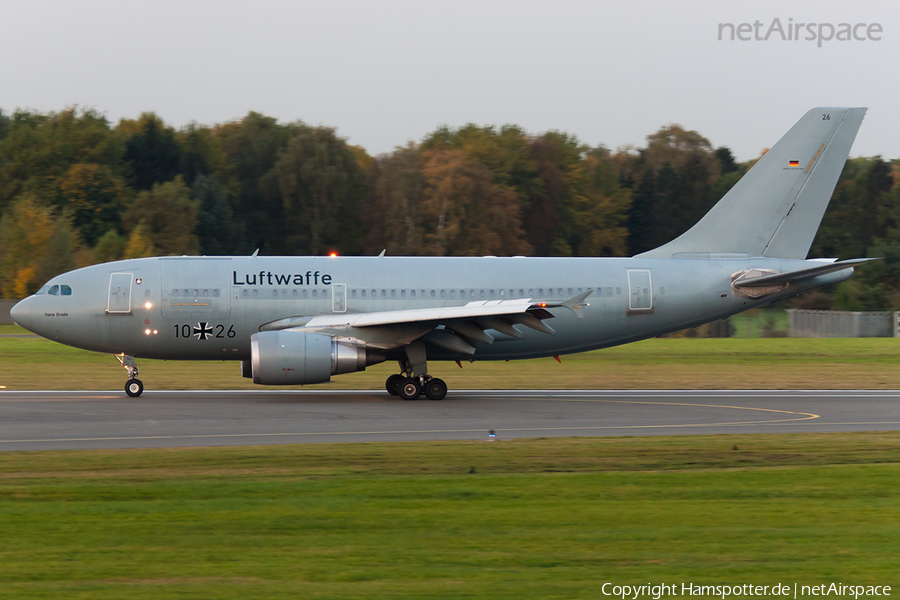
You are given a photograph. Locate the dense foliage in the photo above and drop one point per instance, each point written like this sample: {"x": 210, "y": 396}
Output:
{"x": 76, "y": 190}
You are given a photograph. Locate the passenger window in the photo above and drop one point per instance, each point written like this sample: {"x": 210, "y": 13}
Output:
{"x": 432, "y": 293}
{"x": 315, "y": 293}
{"x": 550, "y": 292}
{"x": 570, "y": 291}
{"x": 245, "y": 293}
{"x": 403, "y": 293}
{"x": 215, "y": 293}
{"x": 384, "y": 293}
{"x": 54, "y": 291}
{"x": 65, "y": 290}
{"x": 206, "y": 293}
{"x": 255, "y": 293}
{"x": 453, "y": 293}
{"x": 353, "y": 293}
{"x": 412, "y": 293}
{"x": 274, "y": 293}
{"x": 324, "y": 293}
{"x": 294, "y": 293}
{"x": 305, "y": 293}
{"x": 522, "y": 292}
{"x": 393, "y": 293}
{"x": 609, "y": 291}
{"x": 363, "y": 293}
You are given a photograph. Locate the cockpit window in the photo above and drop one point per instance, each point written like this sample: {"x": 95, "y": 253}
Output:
{"x": 65, "y": 290}
{"x": 54, "y": 291}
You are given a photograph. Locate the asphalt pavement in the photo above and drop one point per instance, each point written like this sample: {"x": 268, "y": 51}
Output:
{"x": 109, "y": 419}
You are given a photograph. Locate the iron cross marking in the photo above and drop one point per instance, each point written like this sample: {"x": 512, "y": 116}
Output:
{"x": 203, "y": 331}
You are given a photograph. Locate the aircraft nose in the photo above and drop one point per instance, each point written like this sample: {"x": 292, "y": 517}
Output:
{"x": 20, "y": 313}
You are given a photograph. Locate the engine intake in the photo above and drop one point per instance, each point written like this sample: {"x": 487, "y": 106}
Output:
{"x": 301, "y": 357}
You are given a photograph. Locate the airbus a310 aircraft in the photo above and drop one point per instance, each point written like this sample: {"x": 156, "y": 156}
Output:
{"x": 300, "y": 320}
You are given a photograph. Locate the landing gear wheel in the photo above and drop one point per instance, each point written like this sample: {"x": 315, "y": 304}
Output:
{"x": 410, "y": 389}
{"x": 435, "y": 389}
{"x": 134, "y": 388}
{"x": 393, "y": 383}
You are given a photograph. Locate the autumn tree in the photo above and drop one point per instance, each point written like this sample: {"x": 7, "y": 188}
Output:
{"x": 321, "y": 188}
{"x": 35, "y": 245}
{"x": 251, "y": 147}
{"x": 393, "y": 208}
{"x": 218, "y": 233}
{"x": 39, "y": 150}
{"x": 162, "y": 220}
{"x": 152, "y": 152}
{"x": 464, "y": 212}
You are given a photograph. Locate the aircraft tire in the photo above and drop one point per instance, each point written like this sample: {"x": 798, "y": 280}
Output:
{"x": 393, "y": 383}
{"x": 134, "y": 388}
{"x": 410, "y": 389}
{"x": 435, "y": 389}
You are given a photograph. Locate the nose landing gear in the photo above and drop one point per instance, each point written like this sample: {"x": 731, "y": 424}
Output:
{"x": 133, "y": 387}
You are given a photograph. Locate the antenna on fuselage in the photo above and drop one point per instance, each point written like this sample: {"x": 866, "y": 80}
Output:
{"x": 255, "y": 252}
{"x": 382, "y": 253}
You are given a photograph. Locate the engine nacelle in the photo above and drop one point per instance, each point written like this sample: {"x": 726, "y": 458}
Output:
{"x": 301, "y": 357}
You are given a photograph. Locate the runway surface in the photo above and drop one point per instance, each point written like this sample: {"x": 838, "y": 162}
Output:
{"x": 105, "y": 419}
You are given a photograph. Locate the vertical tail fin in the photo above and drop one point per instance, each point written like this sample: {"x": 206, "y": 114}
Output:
{"x": 776, "y": 208}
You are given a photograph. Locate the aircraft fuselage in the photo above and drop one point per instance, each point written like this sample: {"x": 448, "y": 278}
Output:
{"x": 206, "y": 308}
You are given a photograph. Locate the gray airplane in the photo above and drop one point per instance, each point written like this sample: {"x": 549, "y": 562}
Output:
{"x": 300, "y": 320}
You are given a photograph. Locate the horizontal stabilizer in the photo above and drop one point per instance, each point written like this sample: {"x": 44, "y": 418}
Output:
{"x": 800, "y": 275}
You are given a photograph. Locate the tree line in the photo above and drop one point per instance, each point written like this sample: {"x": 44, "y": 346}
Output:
{"x": 77, "y": 190}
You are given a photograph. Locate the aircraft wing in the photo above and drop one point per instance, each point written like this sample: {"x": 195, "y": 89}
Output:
{"x": 456, "y": 328}
{"x": 468, "y": 311}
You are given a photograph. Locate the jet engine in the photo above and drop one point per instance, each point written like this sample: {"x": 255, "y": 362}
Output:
{"x": 301, "y": 357}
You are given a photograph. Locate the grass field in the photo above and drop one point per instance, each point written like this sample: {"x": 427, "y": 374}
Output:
{"x": 551, "y": 518}
{"x": 767, "y": 363}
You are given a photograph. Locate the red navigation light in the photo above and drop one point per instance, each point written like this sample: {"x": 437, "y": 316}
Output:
{"x": 333, "y": 255}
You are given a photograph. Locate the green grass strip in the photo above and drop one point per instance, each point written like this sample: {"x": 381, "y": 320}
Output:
{"x": 547, "y": 518}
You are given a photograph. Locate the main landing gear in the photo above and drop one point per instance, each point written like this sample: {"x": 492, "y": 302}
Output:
{"x": 415, "y": 378}
{"x": 410, "y": 388}
{"x": 133, "y": 387}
